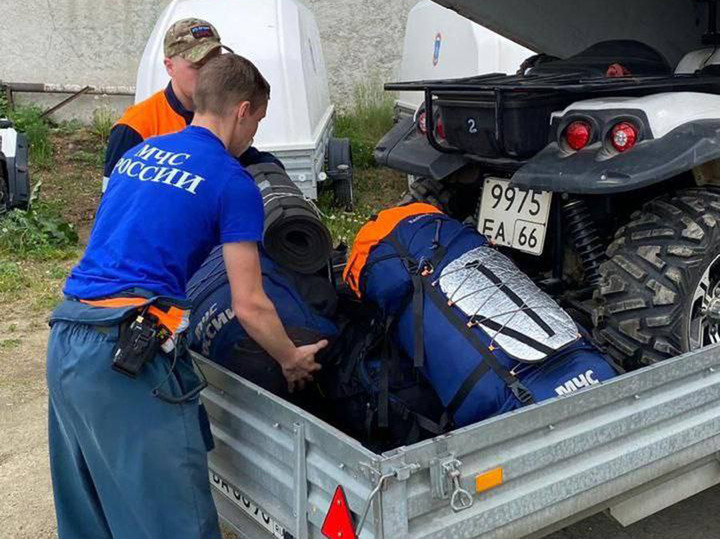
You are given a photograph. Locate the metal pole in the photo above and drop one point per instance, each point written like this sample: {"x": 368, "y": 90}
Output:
{"x": 64, "y": 102}
{"x": 49, "y": 88}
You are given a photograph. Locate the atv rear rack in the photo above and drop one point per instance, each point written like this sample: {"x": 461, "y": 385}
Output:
{"x": 501, "y": 86}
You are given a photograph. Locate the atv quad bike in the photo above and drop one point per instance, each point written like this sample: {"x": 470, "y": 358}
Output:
{"x": 597, "y": 168}
{"x": 14, "y": 181}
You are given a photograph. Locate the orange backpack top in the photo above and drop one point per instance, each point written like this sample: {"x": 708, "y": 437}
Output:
{"x": 372, "y": 233}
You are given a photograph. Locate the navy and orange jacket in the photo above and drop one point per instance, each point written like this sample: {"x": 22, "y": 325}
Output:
{"x": 160, "y": 114}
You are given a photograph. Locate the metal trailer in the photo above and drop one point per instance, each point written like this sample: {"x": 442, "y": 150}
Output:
{"x": 633, "y": 446}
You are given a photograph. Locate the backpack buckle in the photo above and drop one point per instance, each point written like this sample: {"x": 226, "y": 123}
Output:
{"x": 521, "y": 392}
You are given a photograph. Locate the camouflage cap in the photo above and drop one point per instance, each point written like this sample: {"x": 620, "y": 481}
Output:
{"x": 192, "y": 39}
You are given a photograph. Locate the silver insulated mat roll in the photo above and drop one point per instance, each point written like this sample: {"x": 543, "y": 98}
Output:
{"x": 500, "y": 299}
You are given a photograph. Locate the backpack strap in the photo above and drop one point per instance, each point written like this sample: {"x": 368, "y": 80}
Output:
{"x": 420, "y": 421}
{"x": 489, "y": 359}
{"x": 389, "y": 360}
{"x": 388, "y": 354}
{"x": 421, "y": 287}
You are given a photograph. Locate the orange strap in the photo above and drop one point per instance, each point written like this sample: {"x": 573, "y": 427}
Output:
{"x": 115, "y": 303}
{"x": 174, "y": 319}
{"x": 372, "y": 233}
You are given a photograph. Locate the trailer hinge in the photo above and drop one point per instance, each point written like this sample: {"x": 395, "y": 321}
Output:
{"x": 403, "y": 473}
{"x": 445, "y": 483}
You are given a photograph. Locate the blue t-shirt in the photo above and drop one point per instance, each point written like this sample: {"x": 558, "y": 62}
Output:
{"x": 169, "y": 201}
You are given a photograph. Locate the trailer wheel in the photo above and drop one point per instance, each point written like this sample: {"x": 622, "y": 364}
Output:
{"x": 340, "y": 171}
{"x": 659, "y": 295}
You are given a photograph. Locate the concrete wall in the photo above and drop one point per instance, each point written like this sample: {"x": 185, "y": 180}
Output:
{"x": 99, "y": 42}
{"x": 362, "y": 40}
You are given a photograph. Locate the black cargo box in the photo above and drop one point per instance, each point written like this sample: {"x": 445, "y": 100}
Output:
{"x": 520, "y": 130}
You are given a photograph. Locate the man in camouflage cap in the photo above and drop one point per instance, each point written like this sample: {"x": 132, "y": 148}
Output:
{"x": 188, "y": 45}
{"x": 192, "y": 39}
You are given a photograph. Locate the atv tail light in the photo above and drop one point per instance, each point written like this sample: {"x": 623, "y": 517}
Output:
{"x": 440, "y": 129}
{"x": 422, "y": 125}
{"x": 623, "y": 136}
{"x": 422, "y": 122}
{"x": 577, "y": 135}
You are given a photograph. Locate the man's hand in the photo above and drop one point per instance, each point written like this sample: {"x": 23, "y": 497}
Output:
{"x": 256, "y": 313}
{"x": 301, "y": 367}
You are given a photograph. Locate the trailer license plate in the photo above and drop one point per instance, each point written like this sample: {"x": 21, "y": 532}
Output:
{"x": 249, "y": 507}
{"x": 514, "y": 217}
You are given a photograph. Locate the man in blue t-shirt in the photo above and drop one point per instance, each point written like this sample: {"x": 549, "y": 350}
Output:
{"x": 128, "y": 453}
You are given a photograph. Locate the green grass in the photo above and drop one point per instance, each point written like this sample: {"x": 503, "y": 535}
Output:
{"x": 94, "y": 158}
{"x": 38, "y": 283}
{"x": 38, "y": 233}
{"x": 3, "y": 103}
{"x": 9, "y": 344}
{"x": 366, "y": 122}
{"x": 11, "y": 277}
{"x": 102, "y": 122}
{"x": 344, "y": 226}
{"x": 27, "y": 119}
{"x": 375, "y": 189}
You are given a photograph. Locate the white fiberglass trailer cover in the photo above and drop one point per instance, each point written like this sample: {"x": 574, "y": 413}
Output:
{"x": 282, "y": 39}
{"x": 440, "y": 44}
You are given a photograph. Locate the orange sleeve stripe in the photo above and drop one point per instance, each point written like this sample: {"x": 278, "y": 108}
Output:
{"x": 372, "y": 233}
{"x": 153, "y": 117}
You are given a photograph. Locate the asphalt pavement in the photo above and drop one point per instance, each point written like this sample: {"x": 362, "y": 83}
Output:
{"x": 695, "y": 518}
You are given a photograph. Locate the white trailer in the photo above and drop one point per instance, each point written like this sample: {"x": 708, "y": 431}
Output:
{"x": 282, "y": 39}
{"x": 441, "y": 44}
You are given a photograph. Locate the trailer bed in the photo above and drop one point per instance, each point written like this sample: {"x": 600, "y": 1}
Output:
{"x": 634, "y": 445}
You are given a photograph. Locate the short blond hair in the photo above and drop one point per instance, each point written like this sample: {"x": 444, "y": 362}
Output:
{"x": 227, "y": 80}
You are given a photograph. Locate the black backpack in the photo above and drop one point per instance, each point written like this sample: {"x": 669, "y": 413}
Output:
{"x": 377, "y": 396}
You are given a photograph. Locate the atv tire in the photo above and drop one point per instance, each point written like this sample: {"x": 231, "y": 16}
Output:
{"x": 657, "y": 264}
{"x": 430, "y": 191}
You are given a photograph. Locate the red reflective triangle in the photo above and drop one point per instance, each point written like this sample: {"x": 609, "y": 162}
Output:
{"x": 338, "y": 521}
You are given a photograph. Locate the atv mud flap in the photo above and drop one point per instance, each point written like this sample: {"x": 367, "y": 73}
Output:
{"x": 592, "y": 172}
{"x": 404, "y": 149}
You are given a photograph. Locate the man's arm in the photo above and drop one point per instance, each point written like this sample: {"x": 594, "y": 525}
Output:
{"x": 122, "y": 138}
{"x": 257, "y": 314}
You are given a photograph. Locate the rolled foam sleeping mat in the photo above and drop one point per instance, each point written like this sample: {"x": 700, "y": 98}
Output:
{"x": 294, "y": 235}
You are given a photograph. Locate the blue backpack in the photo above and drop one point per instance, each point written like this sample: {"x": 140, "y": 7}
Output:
{"x": 215, "y": 332}
{"x": 483, "y": 334}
